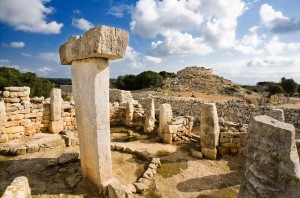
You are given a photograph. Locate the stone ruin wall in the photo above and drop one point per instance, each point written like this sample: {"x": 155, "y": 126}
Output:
{"x": 27, "y": 116}
{"x": 234, "y": 110}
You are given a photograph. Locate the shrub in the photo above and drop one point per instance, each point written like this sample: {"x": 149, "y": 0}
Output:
{"x": 275, "y": 89}
{"x": 289, "y": 85}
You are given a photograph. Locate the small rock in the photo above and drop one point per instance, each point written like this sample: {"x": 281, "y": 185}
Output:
{"x": 67, "y": 158}
{"x": 196, "y": 154}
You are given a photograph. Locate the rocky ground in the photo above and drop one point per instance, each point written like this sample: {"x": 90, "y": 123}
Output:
{"x": 56, "y": 172}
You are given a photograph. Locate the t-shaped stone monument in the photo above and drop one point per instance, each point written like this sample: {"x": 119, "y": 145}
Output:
{"x": 89, "y": 55}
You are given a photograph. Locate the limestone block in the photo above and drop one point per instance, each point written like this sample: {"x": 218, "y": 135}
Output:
{"x": 56, "y": 126}
{"x": 272, "y": 167}
{"x": 165, "y": 116}
{"x": 3, "y": 138}
{"x": 209, "y": 130}
{"x": 100, "y": 41}
{"x": 150, "y": 116}
{"x": 15, "y": 129}
{"x": 167, "y": 138}
{"x": 2, "y": 116}
{"x": 55, "y": 104}
{"x": 17, "y": 89}
{"x": 11, "y": 100}
{"x": 277, "y": 114}
{"x": 5, "y": 94}
{"x": 129, "y": 114}
{"x": 18, "y": 188}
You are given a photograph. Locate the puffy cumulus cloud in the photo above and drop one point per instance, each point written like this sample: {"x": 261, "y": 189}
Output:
{"x": 132, "y": 58}
{"x": 179, "y": 44}
{"x": 26, "y": 54}
{"x": 4, "y": 61}
{"x": 276, "y": 21}
{"x": 215, "y": 19}
{"x": 49, "y": 56}
{"x": 28, "y": 16}
{"x": 151, "y": 18}
{"x": 275, "y": 46}
{"x": 249, "y": 43}
{"x": 119, "y": 10}
{"x": 17, "y": 44}
{"x": 82, "y": 24}
{"x": 152, "y": 59}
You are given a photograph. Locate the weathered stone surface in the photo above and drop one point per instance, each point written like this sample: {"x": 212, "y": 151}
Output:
{"x": 2, "y": 117}
{"x": 55, "y": 104}
{"x": 165, "y": 116}
{"x": 56, "y": 126}
{"x": 19, "y": 188}
{"x": 90, "y": 81}
{"x": 277, "y": 114}
{"x": 129, "y": 114}
{"x": 272, "y": 166}
{"x": 150, "y": 116}
{"x": 196, "y": 154}
{"x": 100, "y": 41}
{"x": 209, "y": 130}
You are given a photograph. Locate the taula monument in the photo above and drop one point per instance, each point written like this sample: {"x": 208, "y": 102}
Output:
{"x": 88, "y": 56}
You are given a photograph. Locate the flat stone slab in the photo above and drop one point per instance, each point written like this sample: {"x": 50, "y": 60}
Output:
{"x": 100, "y": 41}
{"x": 35, "y": 143}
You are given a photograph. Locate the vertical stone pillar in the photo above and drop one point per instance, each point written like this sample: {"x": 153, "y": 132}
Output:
{"x": 209, "y": 130}
{"x": 56, "y": 123}
{"x": 272, "y": 167}
{"x": 89, "y": 55}
{"x": 150, "y": 116}
{"x": 129, "y": 114}
{"x": 165, "y": 116}
{"x": 277, "y": 114}
{"x": 3, "y": 136}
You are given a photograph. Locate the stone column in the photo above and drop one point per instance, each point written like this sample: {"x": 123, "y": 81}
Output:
{"x": 277, "y": 114}
{"x": 272, "y": 167}
{"x": 165, "y": 116}
{"x": 56, "y": 124}
{"x": 89, "y": 56}
{"x": 3, "y": 135}
{"x": 129, "y": 114}
{"x": 209, "y": 130}
{"x": 150, "y": 116}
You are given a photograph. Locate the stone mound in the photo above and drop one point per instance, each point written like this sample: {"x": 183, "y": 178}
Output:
{"x": 201, "y": 79}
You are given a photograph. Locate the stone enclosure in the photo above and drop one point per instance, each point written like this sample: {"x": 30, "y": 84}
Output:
{"x": 272, "y": 166}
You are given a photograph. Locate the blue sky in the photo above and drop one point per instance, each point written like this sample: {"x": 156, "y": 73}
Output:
{"x": 245, "y": 41}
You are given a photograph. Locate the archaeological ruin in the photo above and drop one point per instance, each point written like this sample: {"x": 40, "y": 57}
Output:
{"x": 114, "y": 143}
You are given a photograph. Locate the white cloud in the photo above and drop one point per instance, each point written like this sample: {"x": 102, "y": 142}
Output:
{"x": 249, "y": 42}
{"x": 179, "y": 44}
{"x": 4, "y": 61}
{"x": 274, "y": 46}
{"x": 281, "y": 61}
{"x": 215, "y": 19}
{"x": 49, "y": 56}
{"x": 76, "y": 11}
{"x": 28, "y": 16}
{"x": 120, "y": 10}
{"x": 26, "y": 54}
{"x": 276, "y": 21}
{"x": 17, "y": 44}
{"x": 152, "y": 59}
{"x": 46, "y": 70}
{"x": 82, "y": 24}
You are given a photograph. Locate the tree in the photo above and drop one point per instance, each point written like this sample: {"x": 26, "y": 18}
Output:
{"x": 275, "y": 89}
{"x": 289, "y": 85}
{"x": 12, "y": 77}
{"x": 149, "y": 79}
{"x": 165, "y": 74}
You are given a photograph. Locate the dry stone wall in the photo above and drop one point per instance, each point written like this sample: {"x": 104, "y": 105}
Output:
{"x": 25, "y": 118}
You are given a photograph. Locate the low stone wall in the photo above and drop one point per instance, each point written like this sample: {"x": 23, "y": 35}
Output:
{"x": 234, "y": 110}
{"x": 120, "y": 96}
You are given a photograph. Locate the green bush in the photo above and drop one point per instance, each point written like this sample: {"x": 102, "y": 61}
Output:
{"x": 289, "y": 85}
{"x": 275, "y": 89}
{"x": 165, "y": 74}
{"x": 12, "y": 77}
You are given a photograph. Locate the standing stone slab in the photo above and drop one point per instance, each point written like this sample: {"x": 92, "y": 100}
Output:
{"x": 56, "y": 123}
{"x": 3, "y": 136}
{"x": 277, "y": 114}
{"x": 19, "y": 188}
{"x": 209, "y": 130}
{"x": 129, "y": 114}
{"x": 165, "y": 117}
{"x": 150, "y": 116}
{"x": 272, "y": 167}
{"x": 89, "y": 55}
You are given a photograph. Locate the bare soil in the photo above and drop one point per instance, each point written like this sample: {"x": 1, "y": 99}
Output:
{"x": 180, "y": 175}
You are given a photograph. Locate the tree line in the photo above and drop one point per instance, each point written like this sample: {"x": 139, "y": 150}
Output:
{"x": 287, "y": 86}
